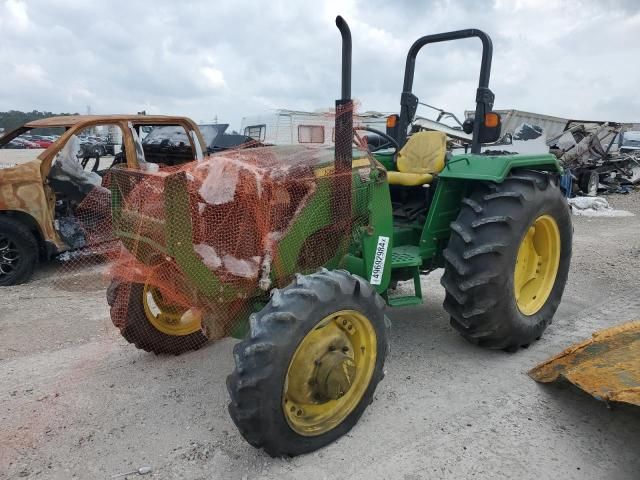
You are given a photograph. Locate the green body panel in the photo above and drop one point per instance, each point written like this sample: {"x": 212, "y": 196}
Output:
{"x": 406, "y": 233}
{"x": 179, "y": 235}
{"x": 443, "y": 210}
{"x": 386, "y": 159}
{"x": 370, "y": 200}
{"x": 456, "y": 180}
{"x": 495, "y": 168}
{"x": 126, "y": 224}
{"x": 378, "y": 204}
{"x": 154, "y": 229}
{"x": 315, "y": 216}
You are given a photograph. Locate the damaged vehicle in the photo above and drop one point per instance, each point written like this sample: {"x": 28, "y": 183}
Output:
{"x": 46, "y": 197}
{"x": 630, "y": 142}
{"x": 163, "y": 138}
{"x": 600, "y": 157}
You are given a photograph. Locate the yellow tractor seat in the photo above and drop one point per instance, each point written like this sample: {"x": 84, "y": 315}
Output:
{"x": 420, "y": 159}
{"x": 409, "y": 179}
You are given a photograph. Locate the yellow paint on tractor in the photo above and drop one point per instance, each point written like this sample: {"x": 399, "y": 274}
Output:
{"x": 537, "y": 265}
{"x": 420, "y": 159}
{"x": 606, "y": 366}
{"x": 329, "y": 373}
{"x": 167, "y": 318}
{"x": 331, "y": 169}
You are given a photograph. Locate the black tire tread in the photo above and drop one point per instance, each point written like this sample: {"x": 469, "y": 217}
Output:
{"x": 28, "y": 245}
{"x": 262, "y": 356}
{"x": 478, "y": 263}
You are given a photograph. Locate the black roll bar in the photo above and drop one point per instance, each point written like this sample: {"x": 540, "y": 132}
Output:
{"x": 484, "y": 96}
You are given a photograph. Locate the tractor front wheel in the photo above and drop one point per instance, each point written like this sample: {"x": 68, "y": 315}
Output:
{"x": 151, "y": 323}
{"x": 507, "y": 261}
{"x": 310, "y": 364}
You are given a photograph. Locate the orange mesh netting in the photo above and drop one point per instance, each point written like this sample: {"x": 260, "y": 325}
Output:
{"x": 193, "y": 250}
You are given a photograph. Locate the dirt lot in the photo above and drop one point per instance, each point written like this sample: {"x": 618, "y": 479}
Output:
{"x": 76, "y": 401}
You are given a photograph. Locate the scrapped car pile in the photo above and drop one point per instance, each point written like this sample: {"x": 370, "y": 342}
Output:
{"x": 601, "y": 158}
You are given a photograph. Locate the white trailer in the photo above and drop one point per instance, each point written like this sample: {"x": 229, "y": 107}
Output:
{"x": 528, "y": 125}
{"x": 293, "y": 127}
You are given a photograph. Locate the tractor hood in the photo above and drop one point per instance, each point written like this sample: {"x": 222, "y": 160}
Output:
{"x": 235, "y": 224}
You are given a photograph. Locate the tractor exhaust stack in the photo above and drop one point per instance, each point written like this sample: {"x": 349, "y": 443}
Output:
{"x": 344, "y": 106}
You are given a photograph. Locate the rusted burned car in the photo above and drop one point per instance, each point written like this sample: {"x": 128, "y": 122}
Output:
{"x": 43, "y": 192}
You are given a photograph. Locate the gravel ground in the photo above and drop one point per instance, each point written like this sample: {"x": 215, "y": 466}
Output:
{"x": 10, "y": 157}
{"x": 76, "y": 401}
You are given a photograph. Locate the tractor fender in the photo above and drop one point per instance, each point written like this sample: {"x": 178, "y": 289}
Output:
{"x": 495, "y": 168}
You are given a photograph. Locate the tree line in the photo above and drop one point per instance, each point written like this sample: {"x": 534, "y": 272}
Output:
{"x": 15, "y": 118}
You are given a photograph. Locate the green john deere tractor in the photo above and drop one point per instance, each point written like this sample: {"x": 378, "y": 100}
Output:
{"x": 315, "y": 340}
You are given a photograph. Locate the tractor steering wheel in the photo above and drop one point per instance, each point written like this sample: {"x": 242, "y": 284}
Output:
{"x": 390, "y": 141}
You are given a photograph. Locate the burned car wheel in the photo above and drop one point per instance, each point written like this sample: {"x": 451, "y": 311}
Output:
{"x": 18, "y": 252}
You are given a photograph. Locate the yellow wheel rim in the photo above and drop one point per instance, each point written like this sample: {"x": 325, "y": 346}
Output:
{"x": 537, "y": 265}
{"x": 329, "y": 373}
{"x": 167, "y": 318}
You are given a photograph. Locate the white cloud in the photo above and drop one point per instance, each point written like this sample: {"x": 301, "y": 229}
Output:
{"x": 79, "y": 94}
{"x": 229, "y": 59}
{"x": 30, "y": 74}
{"x": 17, "y": 17}
{"x": 214, "y": 78}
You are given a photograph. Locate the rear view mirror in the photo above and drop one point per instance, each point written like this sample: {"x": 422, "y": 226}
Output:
{"x": 467, "y": 126}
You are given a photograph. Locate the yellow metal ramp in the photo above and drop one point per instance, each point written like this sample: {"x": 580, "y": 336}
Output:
{"x": 607, "y": 366}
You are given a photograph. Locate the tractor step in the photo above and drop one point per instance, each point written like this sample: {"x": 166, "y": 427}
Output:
{"x": 404, "y": 301}
{"x": 407, "y": 256}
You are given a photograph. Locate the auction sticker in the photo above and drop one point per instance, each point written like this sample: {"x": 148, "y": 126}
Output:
{"x": 378, "y": 261}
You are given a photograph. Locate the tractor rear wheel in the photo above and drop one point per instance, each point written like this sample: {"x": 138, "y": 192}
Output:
{"x": 310, "y": 364}
{"x": 507, "y": 261}
{"x": 151, "y": 323}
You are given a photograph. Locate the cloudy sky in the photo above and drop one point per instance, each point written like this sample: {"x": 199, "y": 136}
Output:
{"x": 229, "y": 58}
